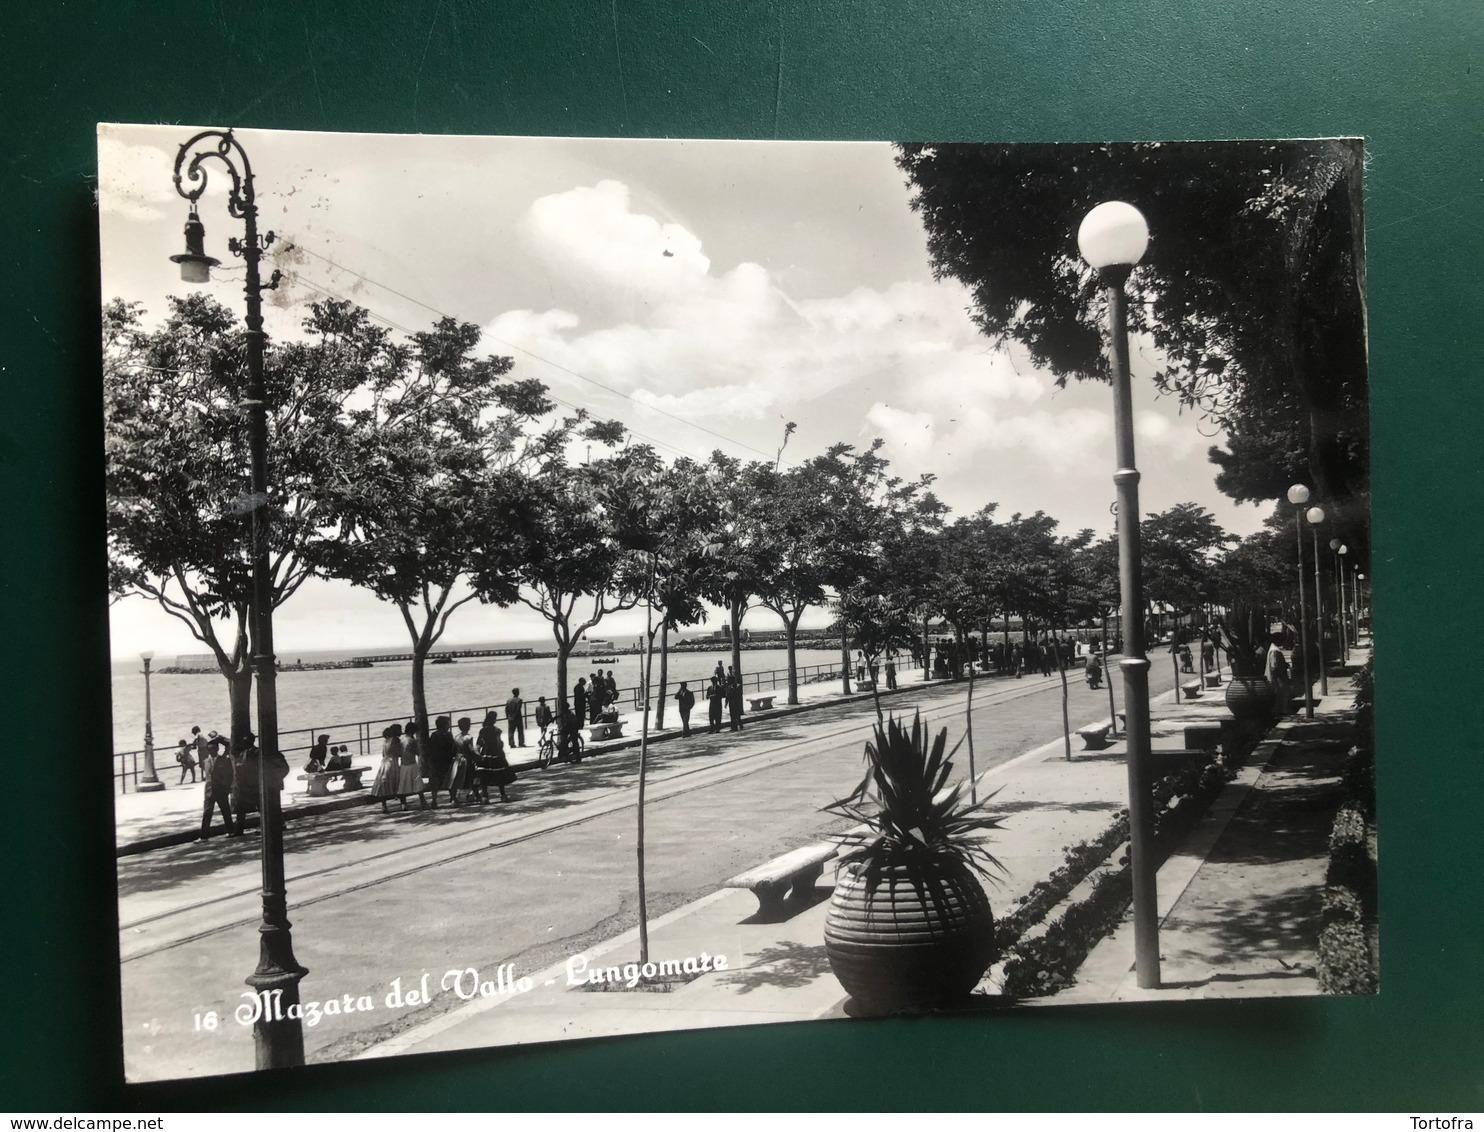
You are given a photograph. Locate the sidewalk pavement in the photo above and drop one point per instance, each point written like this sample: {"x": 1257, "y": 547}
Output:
{"x": 778, "y": 971}
{"x": 1239, "y": 901}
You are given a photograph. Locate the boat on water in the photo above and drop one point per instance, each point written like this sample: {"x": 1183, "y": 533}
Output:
{"x": 602, "y": 659}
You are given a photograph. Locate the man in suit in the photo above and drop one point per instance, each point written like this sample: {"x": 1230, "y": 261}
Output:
{"x": 515, "y": 719}
{"x": 217, "y": 774}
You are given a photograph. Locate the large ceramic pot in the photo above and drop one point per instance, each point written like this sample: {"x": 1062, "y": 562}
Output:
{"x": 923, "y": 938}
{"x": 1248, "y": 698}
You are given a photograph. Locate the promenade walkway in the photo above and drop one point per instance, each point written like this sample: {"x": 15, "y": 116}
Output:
{"x": 173, "y": 815}
{"x": 1239, "y": 901}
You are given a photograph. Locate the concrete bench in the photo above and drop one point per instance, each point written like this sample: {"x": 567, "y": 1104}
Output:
{"x": 1171, "y": 760}
{"x": 1213, "y": 680}
{"x": 602, "y": 732}
{"x": 760, "y": 703}
{"x": 319, "y": 780}
{"x": 1204, "y": 736}
{"x": 793, "y": 873}
{"x": 1191, "y": 689}
{"x": 1094, "y": 736}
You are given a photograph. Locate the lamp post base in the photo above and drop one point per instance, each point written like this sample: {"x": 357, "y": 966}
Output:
{"x": 148, "y": 786}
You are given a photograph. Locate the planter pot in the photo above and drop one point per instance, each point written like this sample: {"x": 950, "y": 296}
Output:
{"x": 1249, "y": 698}
{"x": 922, "y": 939}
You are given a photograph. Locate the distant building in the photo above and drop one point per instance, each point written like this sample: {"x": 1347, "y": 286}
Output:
{"x": 196, "y": 662}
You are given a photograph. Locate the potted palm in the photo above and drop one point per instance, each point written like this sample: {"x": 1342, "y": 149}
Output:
{"x": 909, "y": 926}
{"x": 1249, "y": 694}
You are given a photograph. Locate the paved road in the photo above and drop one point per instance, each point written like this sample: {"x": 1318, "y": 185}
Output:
{"x": 376, "y": 897}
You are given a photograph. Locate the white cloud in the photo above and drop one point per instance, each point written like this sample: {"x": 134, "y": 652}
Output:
{"x": 733, "y": 344}
{"x": 905, "y": 433}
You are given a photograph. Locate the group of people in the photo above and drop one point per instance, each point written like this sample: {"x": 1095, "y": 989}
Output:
{"x": 232, "y": 777}
{"x": 459, "y": 762}
{"x": 593, "y": 698}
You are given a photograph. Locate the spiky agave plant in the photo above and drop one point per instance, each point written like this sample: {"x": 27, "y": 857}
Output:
{"x": 910, "y": 812}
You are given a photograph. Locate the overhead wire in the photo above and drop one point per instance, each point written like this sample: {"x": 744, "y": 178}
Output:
{"x": 531, "y": 353}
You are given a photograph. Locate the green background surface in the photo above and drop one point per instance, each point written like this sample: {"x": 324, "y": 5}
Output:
{"x": 1399, "y": 73}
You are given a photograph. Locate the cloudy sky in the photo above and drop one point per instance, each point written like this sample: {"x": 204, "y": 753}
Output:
{"x": 702, "y": 292}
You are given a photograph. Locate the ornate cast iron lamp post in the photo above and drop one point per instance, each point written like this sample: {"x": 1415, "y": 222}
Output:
{"x": 1315, "y": 515}
{"x": 1298, "y": 495}
{"x": 1112, "y": 239}
{"x": 151, "y": 780}
{"x": 279, "y": 1039}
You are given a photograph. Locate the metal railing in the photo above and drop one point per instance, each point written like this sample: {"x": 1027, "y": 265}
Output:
{"x": 363, "y": 737}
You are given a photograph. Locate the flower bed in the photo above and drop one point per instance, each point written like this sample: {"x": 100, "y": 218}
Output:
{"x": 1049, "y": 963}
{"x": 1046, "y": 894}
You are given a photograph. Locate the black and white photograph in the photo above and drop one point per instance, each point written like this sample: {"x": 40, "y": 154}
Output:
{"x": 567, "y": 588}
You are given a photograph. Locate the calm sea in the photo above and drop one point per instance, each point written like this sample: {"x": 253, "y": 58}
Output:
{"x": 333, "y": 701}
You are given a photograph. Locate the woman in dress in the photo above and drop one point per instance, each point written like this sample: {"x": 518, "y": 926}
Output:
{"x": 389, "y": 774}
{"x": 494, "y": 768}
{"x": 461, "y": 776}
{"x": 410, "y": 776}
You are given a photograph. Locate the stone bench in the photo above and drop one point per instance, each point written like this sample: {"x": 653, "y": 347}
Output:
{"x": 1191, "y": 689}
{"x": 602, "y": 732}
{"x": 1094, "y": 736}
{"x": 760, "y": 703}
{"x": 793, "y": 873}
{"x": 1213, "y": 680}
{"x": 1204, "y": 736}
{"x": 319, "y": 780}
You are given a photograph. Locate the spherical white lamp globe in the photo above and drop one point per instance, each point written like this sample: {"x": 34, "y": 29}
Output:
{"x": 1315, "y": 515}
{"x": 1298, "y": 493}
{"x": 1113, "y": 233}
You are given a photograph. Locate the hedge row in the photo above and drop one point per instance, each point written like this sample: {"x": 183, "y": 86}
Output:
{"x": 1046, "y": 894}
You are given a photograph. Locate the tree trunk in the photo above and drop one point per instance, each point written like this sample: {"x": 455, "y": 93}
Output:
{"x": 791, "y": 631}
{"x": 969, "y": 734}
{"x": 738, "y": 608}
{"x": 1066, "y": 722}
{"x": 419, "y": 689}
{"x": 844, "y": 656}
{"x": 1108, "y": 676}
{"x": 659, "y": 704}
{"x": 927, "y": 652}
{"x": 239, "y": 693}
{"x": 563, "y": 649}
{"x": 643, "y": 755}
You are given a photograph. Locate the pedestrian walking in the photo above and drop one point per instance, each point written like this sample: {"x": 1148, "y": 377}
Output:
{"x": 443, "y": 752}
{"x": 685, "y": 699}
{"x": 579, "y": 700}
{"x": 493, "y": 767}
{"x": 187, "y": 762}
{"x": 716, "y": 695}
{"x": 734, "y": 701}
{"x": 891, "y": 674}
{"x": 252, "y": 772}
{"x": 217, "y": 772}
{"x": 515, "y": 719}
{"x": 388, "y": 781}
{"x": 413, "y": 768}
{"x": 1277, "y": 672}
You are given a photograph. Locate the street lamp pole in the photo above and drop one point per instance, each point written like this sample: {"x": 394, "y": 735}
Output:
{"x": 1341, "y": 608}
{"x": 1315, "y": 515}
{"x": 151, "y": 780}
{"x": 1298, "y": 495}
{"x": 1359, "y": 602}
{"x": 278, "y": 1038}
{"x": 1112, "y": 238}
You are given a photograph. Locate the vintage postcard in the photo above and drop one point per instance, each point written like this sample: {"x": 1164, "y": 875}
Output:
{"x": 567, "y": 587}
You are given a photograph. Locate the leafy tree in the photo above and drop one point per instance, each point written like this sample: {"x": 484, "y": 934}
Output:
{"x": 574, "y": 569}
{"x": 1179, "y": 548}
{"x": 428, "y": 478}
{"x": 1252, "y": 289}
{"x": 177, "y": 471}
{"x": 740, "y": 554}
